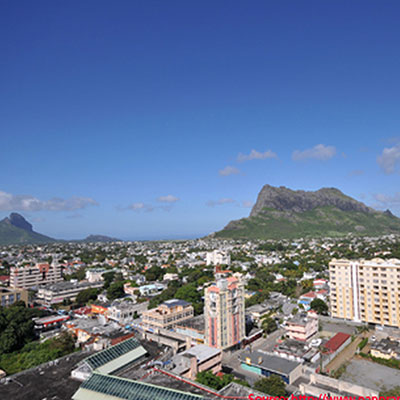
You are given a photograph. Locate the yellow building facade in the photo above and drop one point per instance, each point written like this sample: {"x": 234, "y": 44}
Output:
{"x": 365, "y": 290}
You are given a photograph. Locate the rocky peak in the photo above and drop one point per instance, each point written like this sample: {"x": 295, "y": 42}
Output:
{"x": 284, "y": 199}
{"x": 19, "y": 221}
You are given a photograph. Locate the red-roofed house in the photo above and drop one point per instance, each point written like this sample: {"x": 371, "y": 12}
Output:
{"x": 336, "y": 343}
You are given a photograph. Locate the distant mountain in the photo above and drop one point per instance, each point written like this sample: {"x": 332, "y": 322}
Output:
{"x": 284, "y": 213}
{"x": 99, "y": 238}
{"x": 15, "y": 229}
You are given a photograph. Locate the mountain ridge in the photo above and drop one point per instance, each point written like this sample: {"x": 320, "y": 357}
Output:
{"x": 281, "y": 212}
{"x": 15, "y": 229}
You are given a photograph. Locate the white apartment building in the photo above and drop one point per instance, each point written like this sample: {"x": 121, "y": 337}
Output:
{"x": 40, "y": 274}
{"x": 58, "y": 292}
{"x": 366, "y": 290}
{"x": 218, "y": 257}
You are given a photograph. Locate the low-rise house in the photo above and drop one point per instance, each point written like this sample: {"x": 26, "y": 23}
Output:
{"x": 386, "y": 348}
{"x": 302, "y": 326}
{"x": 152, "y": 289}
{"x": 296, "y": 351}
{"x": 257, "y": 312}
{"x": 266, "y": 365}
{"x": 320, "y": 283}
{"x": 197, "y": 359}
{"x": 170, "y": 277}
{"x": 125, "y": 311}
{"x": 306, "y": 299}
{"x": 95, "y": 274}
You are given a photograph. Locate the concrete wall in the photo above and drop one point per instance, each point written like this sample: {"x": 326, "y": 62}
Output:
{"x": 328, "y": 358}
{"x": 336, "y": 386}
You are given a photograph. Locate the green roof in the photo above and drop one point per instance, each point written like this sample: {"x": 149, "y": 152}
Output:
{"x": 106, "y": 387}
{"x": 126, "y": 351}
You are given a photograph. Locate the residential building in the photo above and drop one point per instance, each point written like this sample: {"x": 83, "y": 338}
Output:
{"x": 386, "y": 348}
{"x": 194, "y": 328}
{"x": 95, "y": 274}
{"x": 197, "y": 359}
{"x": 34, "y": 275}
{"x": 302, "y": 326}
{"x": 366, "y": 290}
{"x": 224, "y": 312}
{"x": 58, "y": 292}
{"x": 306, "y": 299}
{"x": 10, "y": 296}
{"x": 266, "y": 365}
{"x": 217, "y": 257}
{"x": 124, "y": 312}
{"x": 152, "y": 289}
{"x": 170, "y": 277}
{"x": 296, "y": 351}
{"x": 167, "y": 315}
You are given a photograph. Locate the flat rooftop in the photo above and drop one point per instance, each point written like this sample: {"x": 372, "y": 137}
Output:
{"x": 271, "y": 363}
{"x": 198, "y": 323}
{"x": 51, "y": 382}
{"x": 202, "y": 352}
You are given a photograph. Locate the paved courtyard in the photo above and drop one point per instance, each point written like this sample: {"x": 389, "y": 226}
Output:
{"x": 372, "y": 375}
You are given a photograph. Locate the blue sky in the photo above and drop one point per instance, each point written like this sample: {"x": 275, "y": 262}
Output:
{"x": 163, "y": 119}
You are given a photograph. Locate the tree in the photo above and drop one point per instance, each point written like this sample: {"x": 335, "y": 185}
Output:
{"x": 108, "y": 277}
{"x": 115, "y": 291}
{"x": 86, "y": 295}
{"x": 154, "y": 273}
{"x": 269, "y": 325}
{"x": 213, "y": 381}
{"x": 319, "y": 306}
{"x": 273, "y": 385}
{"x": 190, "y": 294}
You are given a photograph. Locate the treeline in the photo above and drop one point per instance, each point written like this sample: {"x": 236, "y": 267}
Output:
{"x": 36, "y": 353}
{"x": 18, "y": 348}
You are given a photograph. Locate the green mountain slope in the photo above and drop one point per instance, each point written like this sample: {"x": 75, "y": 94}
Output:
{"x": 282, "y": 213}
{"x": 16, "y": 230}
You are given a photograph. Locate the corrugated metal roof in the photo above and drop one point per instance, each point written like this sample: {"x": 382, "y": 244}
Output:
{"x": 115, "y": 357}
{"x": 106, "y": 387}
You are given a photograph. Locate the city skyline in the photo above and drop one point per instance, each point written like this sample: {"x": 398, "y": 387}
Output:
{"x": 157, "y": 121}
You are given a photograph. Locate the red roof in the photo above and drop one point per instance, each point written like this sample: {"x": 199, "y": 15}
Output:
{"x": 309, "y": 294}
{"x": 334, "y": 343}
{"x": 4, "y": 278}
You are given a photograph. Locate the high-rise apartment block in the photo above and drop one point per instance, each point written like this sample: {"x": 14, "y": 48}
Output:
{"x": 40, "y": 274}
{"x": 366, "y": 290}
{"x": 224, "y": 313}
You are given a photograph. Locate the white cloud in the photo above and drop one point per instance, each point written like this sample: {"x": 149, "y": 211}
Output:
{"x": 168, "y": 199}
{"x": 139, "y": 206}
{"x": 10, "y": 202}
{"x": 229, "y": 170}
{"x": 220, "y": 202}
{"x": 389, "y": 159}
{"x": 247, "y": 204}
{"x": 318, "y": 152}
{"x": 256, "y": 155}
{"x": 386, "y": 201}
